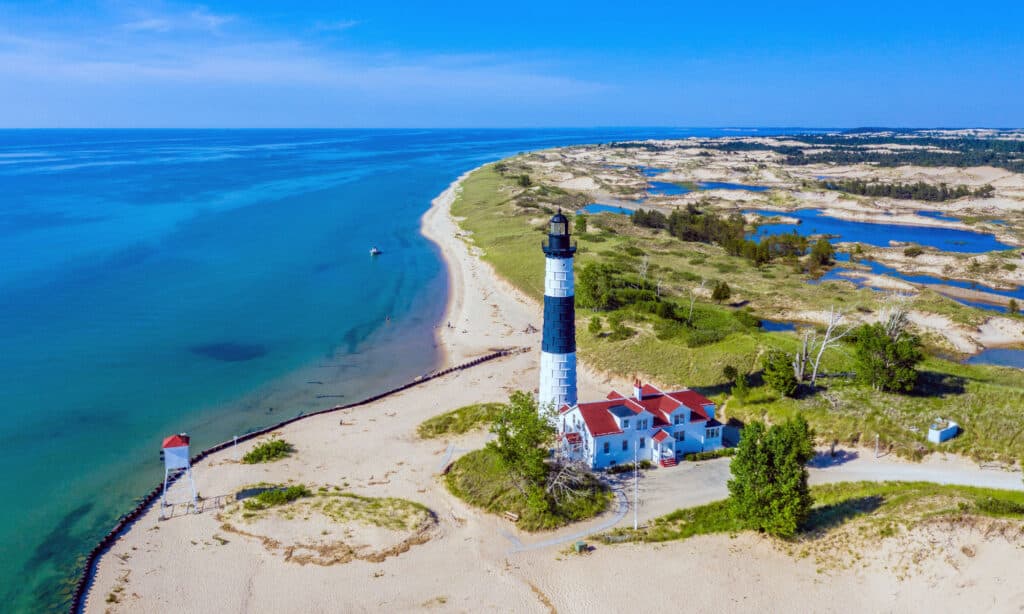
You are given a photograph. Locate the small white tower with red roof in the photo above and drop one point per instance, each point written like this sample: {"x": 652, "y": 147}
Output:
{"x": 176, "y": 459}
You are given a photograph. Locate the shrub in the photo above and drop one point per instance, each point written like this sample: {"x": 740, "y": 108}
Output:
{"x": 268, "y": 451}
{"x": 276, "y": 496}
{"x": 626, "y": 467}
{"x": 729, "y": 372}
{"x": 999, "y": 507}
{"x": 722, "y": 292}
{"x": 741, "y": 388}
{"x": 524, "y": 181}
{"x": 720, "y": 453}
{"x": 913, "y": 251}
{"x": 581, "y": 223}
{"x": 621, "y": 332}
{"x": 595, "y": 327}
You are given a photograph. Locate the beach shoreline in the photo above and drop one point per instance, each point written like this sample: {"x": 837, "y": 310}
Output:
{"x": 470, "y": 560}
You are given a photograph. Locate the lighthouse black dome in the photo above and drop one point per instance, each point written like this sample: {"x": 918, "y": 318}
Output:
{"x": 558, "y": 245}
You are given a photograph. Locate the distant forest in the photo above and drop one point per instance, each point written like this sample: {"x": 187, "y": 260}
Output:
{"x": 907, "y": 191}
{"x": 848, "y": 148}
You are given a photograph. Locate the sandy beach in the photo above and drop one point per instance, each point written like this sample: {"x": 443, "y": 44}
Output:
{"x": 465, "y": 561}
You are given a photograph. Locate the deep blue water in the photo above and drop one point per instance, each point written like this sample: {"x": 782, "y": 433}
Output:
{"x": 772, "y": 326}
{"x": 998, "y": 356}
{"x": 938, "y": 215}
{"x": 813, "y": 222}
{"x": 718, "y": 185}
{"x": 664, "y": 188}
{"x": 599, "y": 208}
{"x": 203, "y": 281}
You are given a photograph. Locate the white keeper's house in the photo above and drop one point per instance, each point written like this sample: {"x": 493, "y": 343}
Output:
{"x": 650, "y": 425}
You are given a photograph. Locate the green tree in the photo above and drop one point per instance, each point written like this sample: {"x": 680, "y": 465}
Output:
{"x": 596, "y": 326}
{"x": 594, "y": 287}
{"x": 1012, "y": 307}
{"x": 524, "y": 181}
{"x": 778, "y": 372}
{"x": 524, "y": 433}
{"x": 887, "y": 361}
{"x": 768, "y": 490}
{"x": 822, "y": 253}
{"x": 581, "y": 223}
{"x": 722, "y": 292}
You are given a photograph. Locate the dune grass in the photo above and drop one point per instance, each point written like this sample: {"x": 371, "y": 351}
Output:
{"x": 460, "y": 421}
{"x": 881, "y": 509}
{"x": 985, "y": 401}
{"x": 480, "y": 479}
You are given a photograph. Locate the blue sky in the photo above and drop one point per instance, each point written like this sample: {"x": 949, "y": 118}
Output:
{"x": 113, "y": 63}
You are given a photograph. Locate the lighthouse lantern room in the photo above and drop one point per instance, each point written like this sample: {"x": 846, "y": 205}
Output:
{"x": 558, "y": 346}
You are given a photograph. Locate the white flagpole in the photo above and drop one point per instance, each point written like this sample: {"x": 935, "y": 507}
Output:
{"x": 636, "y": 487}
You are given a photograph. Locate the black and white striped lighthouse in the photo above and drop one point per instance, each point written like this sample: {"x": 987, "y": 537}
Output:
{"x": 558, "y": 347}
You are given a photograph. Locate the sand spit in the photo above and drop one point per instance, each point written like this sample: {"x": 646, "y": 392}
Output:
{"x": 465, "y": 560}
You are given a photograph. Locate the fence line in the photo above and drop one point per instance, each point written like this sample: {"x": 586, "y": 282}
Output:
{"x": 81, "y": 591}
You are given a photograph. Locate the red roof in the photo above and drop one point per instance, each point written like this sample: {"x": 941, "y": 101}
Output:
{"x": 600, "y": 421}
{"x": 691, "y": 398}
{"x": 176, "y": 441}
{"x": 648, "y": 390}
{"x": 660, "y": 436}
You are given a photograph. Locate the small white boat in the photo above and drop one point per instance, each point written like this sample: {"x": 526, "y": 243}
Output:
{"x": 374, "y": 251}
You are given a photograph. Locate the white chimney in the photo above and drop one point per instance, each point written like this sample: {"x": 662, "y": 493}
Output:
{"x": 638, "y": 390}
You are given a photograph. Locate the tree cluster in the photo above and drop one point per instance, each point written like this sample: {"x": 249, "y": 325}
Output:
{"x": 603, "y": 287}
{"x": 768, "y": 490}
{"x": 693, "y": 224}
{"x": 907, "y": 191}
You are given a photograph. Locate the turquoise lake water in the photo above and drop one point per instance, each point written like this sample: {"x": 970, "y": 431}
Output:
{"x": 203, "y": 281}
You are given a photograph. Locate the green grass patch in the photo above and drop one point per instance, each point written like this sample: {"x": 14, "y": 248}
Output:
{"x": 481, "y": 479}
{"x": 879, "y": 507}
{"x": 268, "y": 451}
{"x": 459, "y": 421}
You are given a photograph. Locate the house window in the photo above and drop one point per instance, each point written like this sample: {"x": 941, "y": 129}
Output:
{"x": 680, "y": 435}
{"x": 643, "y": 423}
{"x": 677, "y": 419}
{"x": 625, "y": 424}
{"x": 607, "y": 447}
{"x": 625, "y": 445}
{"x": 643, "y": 442}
